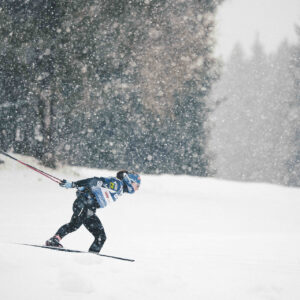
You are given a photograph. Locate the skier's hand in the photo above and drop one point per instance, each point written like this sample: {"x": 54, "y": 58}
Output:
{"x": 66, "y": 184}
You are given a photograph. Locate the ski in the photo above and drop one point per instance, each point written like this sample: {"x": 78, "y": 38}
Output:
{"x": 76, "y": 251}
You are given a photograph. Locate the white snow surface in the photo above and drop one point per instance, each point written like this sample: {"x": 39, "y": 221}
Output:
{"x": 191, "y": 237}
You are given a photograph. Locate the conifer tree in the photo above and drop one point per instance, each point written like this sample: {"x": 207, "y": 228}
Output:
{"x": 109, "y": 83}
{"x": 294, "y": 162}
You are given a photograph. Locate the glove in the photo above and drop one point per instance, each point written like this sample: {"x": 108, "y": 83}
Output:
{"x": 66, "y": 184}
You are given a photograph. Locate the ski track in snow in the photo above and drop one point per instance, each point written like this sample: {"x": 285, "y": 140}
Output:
{"x": 192, "y": 238}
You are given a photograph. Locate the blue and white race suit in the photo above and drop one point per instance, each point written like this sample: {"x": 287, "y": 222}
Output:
{"x": 93, "y": 188}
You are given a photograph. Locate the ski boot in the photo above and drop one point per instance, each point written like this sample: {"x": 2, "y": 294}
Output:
{"x": 54, "y": 242}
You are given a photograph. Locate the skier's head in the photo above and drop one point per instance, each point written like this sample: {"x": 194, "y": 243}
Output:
{"x": 131, "y": 180}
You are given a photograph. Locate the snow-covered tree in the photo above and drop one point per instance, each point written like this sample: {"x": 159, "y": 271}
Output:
{"x": 253, "y": 127}
{"x": 294, "y": 161}
{"x": 109, "y": 83}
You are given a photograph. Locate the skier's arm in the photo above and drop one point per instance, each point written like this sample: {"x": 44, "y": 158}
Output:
{"x": 82, "y": 183}
{"x": 86, "y": 182}
{"x": 76, "y": 184}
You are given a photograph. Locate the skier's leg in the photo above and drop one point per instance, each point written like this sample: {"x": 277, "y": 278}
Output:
{"x": 73, "y": 225}
{"x": 79, "y": 214}
{"x": 95, "y": 227}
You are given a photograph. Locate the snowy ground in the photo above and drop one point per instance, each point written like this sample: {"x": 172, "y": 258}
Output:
{"x": 192, "y": 238}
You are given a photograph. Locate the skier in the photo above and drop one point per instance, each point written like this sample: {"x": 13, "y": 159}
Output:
{"x": 89, "y": 199}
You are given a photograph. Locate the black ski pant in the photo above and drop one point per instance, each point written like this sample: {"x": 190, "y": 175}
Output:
{"x": 84, "y": 209}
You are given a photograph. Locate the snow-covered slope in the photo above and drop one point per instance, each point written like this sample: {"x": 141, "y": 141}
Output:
{"x": 192, "y": 238}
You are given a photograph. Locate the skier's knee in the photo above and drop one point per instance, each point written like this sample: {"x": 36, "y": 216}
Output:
{"x": 103, "y": 237}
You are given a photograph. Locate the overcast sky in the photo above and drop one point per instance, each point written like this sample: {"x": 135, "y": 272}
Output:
{"x": 242, "y": 20}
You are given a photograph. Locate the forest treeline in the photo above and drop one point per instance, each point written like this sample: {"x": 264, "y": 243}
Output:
{"x": 255, "y": 133}
{"x": 108, "y": 84}
{"x": 135, "y": 84}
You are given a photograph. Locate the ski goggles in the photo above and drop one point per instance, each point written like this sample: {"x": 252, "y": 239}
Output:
{"x": 133, "y": 179}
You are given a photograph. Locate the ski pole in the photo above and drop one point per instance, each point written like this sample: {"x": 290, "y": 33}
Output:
{"x": 51, "y": 177}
